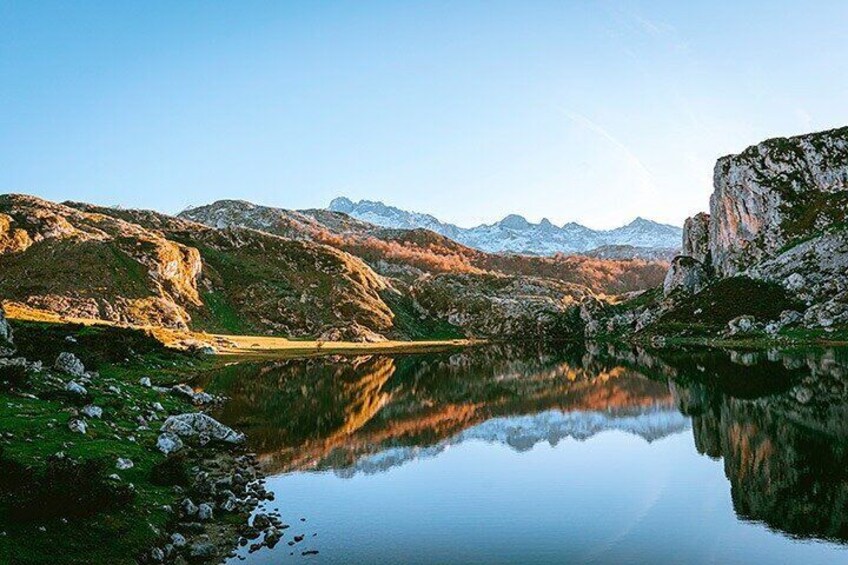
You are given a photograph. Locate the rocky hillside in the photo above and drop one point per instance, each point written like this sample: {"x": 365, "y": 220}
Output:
{"x": 772, "y": 253}
{"x": 150, "y": 269}
{"x": 409, "y": 253}
{"x": 145, "y": 268}
{"x": 514, "y": 234}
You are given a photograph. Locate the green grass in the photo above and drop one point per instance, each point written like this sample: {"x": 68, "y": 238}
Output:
{"x": 729, "y": 298}
{"x": 221, "y": 315}
{"x": 39, "y": 427}
{"x": 409, "y": 324}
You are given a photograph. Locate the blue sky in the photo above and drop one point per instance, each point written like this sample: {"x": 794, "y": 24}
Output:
{"x": 577, "y": 111}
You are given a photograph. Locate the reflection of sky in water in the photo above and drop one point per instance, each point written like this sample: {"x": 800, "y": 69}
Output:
{"x": 577, "y": 458}
{"x": 612, "y": 498}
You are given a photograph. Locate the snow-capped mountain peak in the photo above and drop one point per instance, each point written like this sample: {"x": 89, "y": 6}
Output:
{"x": 515, "y": 234}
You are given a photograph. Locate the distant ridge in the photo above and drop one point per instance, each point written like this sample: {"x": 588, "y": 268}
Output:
{"x": 514, "y": 234}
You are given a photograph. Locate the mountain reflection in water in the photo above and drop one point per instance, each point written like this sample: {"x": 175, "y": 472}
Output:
{"x": 777, "y": 419}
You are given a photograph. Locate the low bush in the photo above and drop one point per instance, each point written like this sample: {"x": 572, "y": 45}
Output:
{"x": 64, "y": 488}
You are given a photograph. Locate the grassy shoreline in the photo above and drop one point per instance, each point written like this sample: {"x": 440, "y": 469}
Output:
{"x": 35, "y": 418}
{"x": 247, "y": 346}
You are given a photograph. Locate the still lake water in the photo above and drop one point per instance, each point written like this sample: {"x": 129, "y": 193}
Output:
{"x": 581, "y": 454}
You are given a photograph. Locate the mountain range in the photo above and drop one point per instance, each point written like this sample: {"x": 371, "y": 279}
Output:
{"x": 514, "y": 234}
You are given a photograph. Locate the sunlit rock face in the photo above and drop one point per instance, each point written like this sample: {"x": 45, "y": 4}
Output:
{"x": 777, "y": 213}
{"x": 686, "y": 274}
{"x": 775, "y": 192}
{"x": 696, "y": 237}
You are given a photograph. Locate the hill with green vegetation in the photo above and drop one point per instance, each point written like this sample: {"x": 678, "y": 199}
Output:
{"x": 313, "y": 274}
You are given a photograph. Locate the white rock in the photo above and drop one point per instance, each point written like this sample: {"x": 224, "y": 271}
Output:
{"x": 93, "y": 411}
{"x": 70, "y": 364}
{"x": 193, "y": 424}
{"x": 169, "y": 443}
{"x": 178, "y": 540}
{"x": 77, "y": 426}
{"x": 76, "y": 388}
{"x": 204, "y": 512}
{"x": 124, "y": 464}
{"x": 145, "y": 381}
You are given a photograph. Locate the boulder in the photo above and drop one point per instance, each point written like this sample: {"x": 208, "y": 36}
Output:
{"x": 169, "y": 443}
{"x": 92, "y": 411}
{"x": 351, "y": 332}
{"x": 195, "y": 425}
{"x": 123, "y": 464}
{"x": 741, "y": 325}
{"x": 76, "y": 388}
{"x": 204, "y": 512}
{"x": 685, "y": 274}
{"x": 70, "y": 364}
{"x": 77, "y": 425}
{"x": 196, "y": 398}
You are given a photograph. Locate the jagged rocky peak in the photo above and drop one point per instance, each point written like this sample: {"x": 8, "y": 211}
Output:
{"x": 341, "y": 204}
{"x": 515, "y": 222}
{"x": 515, "y": 234}
{"x": 780, "y": 190}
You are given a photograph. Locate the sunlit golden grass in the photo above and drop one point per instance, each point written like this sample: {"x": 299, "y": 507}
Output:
{"x": 243, "y": 345}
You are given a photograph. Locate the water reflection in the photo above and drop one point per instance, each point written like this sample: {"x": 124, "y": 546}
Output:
{"x": 777, "y": 419}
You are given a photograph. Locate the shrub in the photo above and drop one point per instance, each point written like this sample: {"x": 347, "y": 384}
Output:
{"x": 64, "y": 488}
{"x": 14, "y": 377}
{"x": 170, "y": 471}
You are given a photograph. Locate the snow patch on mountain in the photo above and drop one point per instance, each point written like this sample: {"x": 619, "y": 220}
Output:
{"x": 514, "y": 234}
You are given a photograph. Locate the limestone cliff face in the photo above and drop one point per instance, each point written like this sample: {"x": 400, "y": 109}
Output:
{"x": 776, "y": 192}
{"x": 696, "y": 237}
{"x": 767, "y": 201}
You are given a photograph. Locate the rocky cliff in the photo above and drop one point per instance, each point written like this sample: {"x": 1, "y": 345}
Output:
{"x": 92, "y": 265}
{"x": 777, "y": 224}
{"x": 774, "y": 193}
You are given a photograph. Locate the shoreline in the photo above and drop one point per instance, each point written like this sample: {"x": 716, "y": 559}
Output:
{"x": 247, "y": 346}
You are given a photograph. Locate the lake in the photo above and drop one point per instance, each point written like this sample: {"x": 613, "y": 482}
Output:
{"x": 569, "y": 453}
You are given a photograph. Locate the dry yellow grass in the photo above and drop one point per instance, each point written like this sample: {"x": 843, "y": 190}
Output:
{"x": 244, "y": 346}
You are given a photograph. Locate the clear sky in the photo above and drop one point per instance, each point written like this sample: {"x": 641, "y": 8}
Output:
{"x": 587, "y": 111}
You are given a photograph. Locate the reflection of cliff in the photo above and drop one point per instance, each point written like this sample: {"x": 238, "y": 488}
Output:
{"x": 786, "y": 459}
{"x": 334, "y": 412}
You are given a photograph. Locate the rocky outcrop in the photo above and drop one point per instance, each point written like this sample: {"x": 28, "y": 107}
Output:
{"x": 85, "y": 264}
{"x": 696, "y": 237}
{"x": 496, "y": 305}
{"x": 777, "y": 214}
{"x": 685, "y": 274}
{"x": 7, "y": 346}
{"x": 776, "y": 192}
